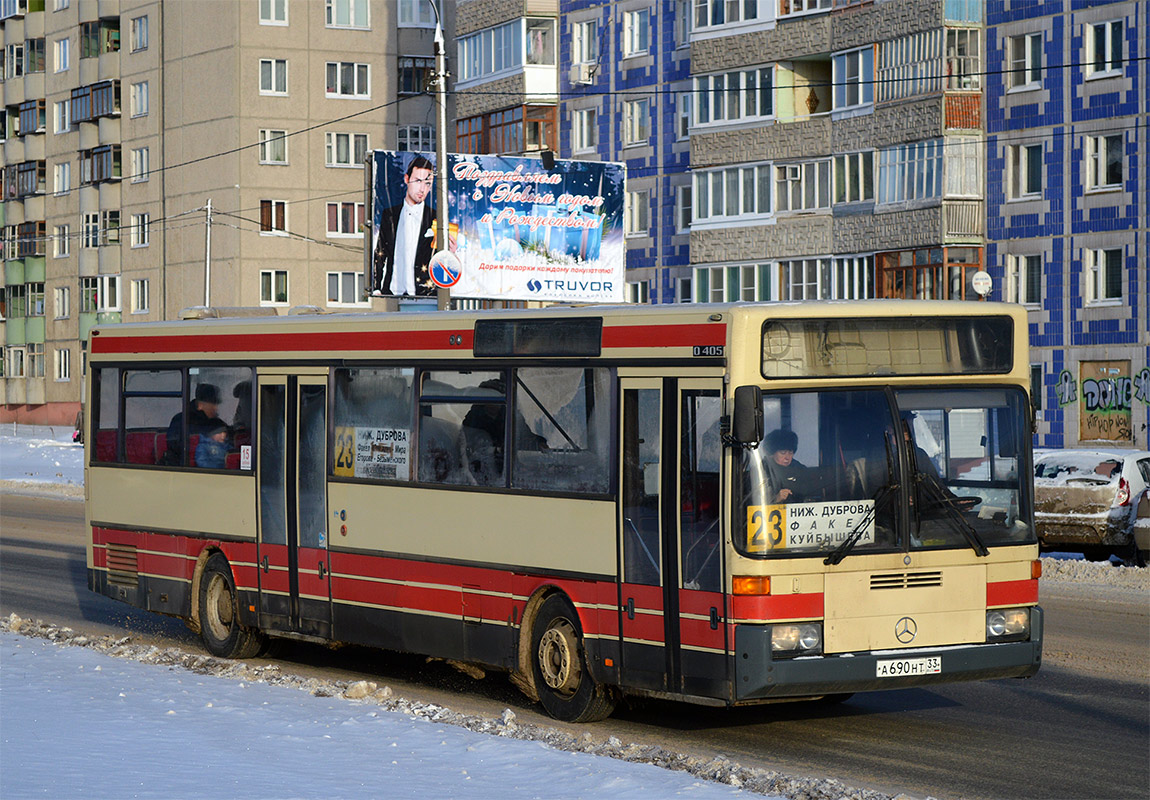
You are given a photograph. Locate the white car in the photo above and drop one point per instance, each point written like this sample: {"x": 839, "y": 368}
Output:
{"x": 1095, "y": 502}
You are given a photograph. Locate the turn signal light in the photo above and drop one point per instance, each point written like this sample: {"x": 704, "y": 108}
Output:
{"x": 1035, "y": 570}
{"x": 751, "y": 584}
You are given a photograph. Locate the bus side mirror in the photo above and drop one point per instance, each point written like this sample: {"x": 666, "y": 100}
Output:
{"x": 748, "y": 415}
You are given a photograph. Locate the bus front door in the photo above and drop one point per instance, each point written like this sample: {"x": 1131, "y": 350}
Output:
{"x": 295, "y": 585}
{"x": 672, "y": 606}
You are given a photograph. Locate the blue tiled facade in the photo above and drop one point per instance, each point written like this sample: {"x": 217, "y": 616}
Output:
{"x": 1091, "y": 318}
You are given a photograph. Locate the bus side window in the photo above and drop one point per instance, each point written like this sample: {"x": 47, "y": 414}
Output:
{"x": 374, "y": 412}
{"x": 699, "y": 462}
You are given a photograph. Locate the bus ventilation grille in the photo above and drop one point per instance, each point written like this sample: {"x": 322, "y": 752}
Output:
{"x": 123, "y": 568}
{"x": 905, "y": 580}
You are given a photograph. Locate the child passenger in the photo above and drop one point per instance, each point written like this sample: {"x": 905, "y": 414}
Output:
{"x": 212, "y": 451}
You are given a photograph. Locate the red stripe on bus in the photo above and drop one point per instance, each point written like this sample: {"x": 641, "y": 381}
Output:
{"x": 1009, "y": 593}
{"x": 664, "y": 335}
{"x": 784, "y": 606}
{"x": 310, "y": 341}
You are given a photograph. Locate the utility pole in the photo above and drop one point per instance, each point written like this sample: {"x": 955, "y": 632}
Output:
{"x": 208, "y": 256}
{"x": 443, "y": 296}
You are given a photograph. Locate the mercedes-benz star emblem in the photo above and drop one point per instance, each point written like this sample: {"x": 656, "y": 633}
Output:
{"x": 905, "y": 630}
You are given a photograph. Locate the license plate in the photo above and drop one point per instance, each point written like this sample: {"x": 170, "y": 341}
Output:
{"x": 908, "y": 666}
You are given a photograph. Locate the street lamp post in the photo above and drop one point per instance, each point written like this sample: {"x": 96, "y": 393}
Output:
{"x": 443, "y": 295}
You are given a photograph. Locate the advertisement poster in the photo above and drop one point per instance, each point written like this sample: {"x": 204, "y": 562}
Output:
{"x": 519, "y": 231}
{"x": 373, "y": 453}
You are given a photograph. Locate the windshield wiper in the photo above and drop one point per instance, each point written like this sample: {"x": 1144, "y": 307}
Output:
{"x": 879, "y": 499}
{"x": 952, "y": 513}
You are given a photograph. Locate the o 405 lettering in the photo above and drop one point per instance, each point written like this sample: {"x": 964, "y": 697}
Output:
{"x": 708, "y": 350}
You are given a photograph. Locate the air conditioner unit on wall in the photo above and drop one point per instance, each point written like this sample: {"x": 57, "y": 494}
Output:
{"x": 583, "y": 73}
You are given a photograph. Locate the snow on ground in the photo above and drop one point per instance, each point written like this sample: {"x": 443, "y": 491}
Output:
{"x": 41, "y": 457}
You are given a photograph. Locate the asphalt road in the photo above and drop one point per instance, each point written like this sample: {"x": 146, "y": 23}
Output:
{"x": 1079, "y": 729}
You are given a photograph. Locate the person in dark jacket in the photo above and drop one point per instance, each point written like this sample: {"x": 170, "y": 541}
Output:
{"x": 212, "y": 451}
{"x": 790, "y": 480}
{"x": 203, "y": 410}
{"x": 403, "y": 247}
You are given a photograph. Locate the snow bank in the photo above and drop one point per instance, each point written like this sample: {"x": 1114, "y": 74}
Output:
{"x": 41, "y": 458}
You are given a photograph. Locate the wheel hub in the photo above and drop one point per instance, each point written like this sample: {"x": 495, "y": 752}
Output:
{"x": 558, "y": 658}
{"x": 219, "y": 607}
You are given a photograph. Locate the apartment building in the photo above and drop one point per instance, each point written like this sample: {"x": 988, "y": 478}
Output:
{"x": 1067, "y": 200}
{"x": 123, "y": 118}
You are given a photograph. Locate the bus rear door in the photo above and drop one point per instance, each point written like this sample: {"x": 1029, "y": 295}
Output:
{"x": 295, "y": 585}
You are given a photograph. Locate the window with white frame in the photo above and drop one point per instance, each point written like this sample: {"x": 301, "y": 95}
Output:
{"x": 962, "y": 161}
{"x": 345, "y": 219}
{"x": 420, "y": 138}
{"x": 1104, "y": 48}
{"x": 639, "y": 292}
{"x": 636, "y": 32}
{"x": 712, "y": 13}
{"x": 61, "y": 55}
{"x": 62, "y": 241}
{"x": 732, "y": 193}
{"x": 740, "y": 95}
{"x": 1103, "y": 161}
{"x": 1024, "y": 165}
{"x": 803, "y": 187}
{"x": 346, "y": 149}
{"x": 109, "y": 228}
{"x": 346, "y": 13}
{"x": 909, "y": 65}
{"x": 416, "y": 14}
{"x": 806, "y": 279}
{"x": 792, "y": 7}
{"x": 62, "y": 296}
{"x": 585, "y": 42}
{"x": 683, "y": 208}
{"x": 637, "y": 122}
{"x": 854, "y": 177}
{"x": 273, "y": 287}
{"x": 62, "y": 116}
{"x": 15, "y": 362}
{"x": 273, "y": 146}
{"x": 35, "y": 293}
{"x": 854, "y": 78}
{"x": 273, "y": 12}
{"x": 62, "y": 362}
{"x": 141, "y": 299}
{"x": 1104, "y": 275}
{"x": 492, "y": 50}
{"x": 1024, "y": 279}
{"x": 348, "y": 79}
{"x": 853, "y": 278}
{"x": 90, "y": 230}
{"x": 683, "y": 22}
{"x": 910, "y": 172}
{"x": 273, "y": 76}
{"x": 139, "y": 164}
{"x": 139, "y": 32}
{"x": 139, "y": 99}
{"x": 35, "y": 357}
{"x": 726, "y": 284}
{"x": 89, "y": 291}
{"x": 62, "y": 178}
{"x": 963, "y": 58}
{"x": 345, "y": 288}
{"x": 683, "y": 127}
{"x": 13, "y": 63}
{"x": 108, "y": 293}
{"x": 273, "y": 217}
{"x": 638, "y": 217}
{"x": 415, "y": 74}
{"x": 1025, "y": 61}
{"x": 141, "y": 235}
{"x": 585, "y": 129}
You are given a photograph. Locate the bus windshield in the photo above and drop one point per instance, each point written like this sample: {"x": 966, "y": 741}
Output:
{"x": 874, "y": 470}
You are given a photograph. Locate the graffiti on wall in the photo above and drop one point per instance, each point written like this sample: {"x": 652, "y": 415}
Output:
{"x": 1105, "y": 399}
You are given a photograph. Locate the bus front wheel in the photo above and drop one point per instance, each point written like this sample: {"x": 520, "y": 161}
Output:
{"x": 219, "y": 613}
{"x": 565, "y": 686}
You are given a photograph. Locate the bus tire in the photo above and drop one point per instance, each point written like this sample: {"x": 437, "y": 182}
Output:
{"x": 219, "y": 613}
{"x": 566, "y": 688}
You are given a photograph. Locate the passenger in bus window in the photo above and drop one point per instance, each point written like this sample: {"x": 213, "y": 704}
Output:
{"x": 484, "y": 429}
{"x": 212, "y": 451}
{"x": 790, "y": 479}
{"x": 204, "y": 408}
{"x": 242, "y": 420}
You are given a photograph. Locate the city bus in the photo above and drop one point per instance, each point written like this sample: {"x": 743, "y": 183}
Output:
{"x": 725, "y": 504}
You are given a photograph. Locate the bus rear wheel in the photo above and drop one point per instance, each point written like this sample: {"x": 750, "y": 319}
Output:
{"x": 219, "y": 613}
{"x": 565, "y": 686}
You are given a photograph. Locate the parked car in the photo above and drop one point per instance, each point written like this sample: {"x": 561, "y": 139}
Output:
{"x": 1094, "y": 502}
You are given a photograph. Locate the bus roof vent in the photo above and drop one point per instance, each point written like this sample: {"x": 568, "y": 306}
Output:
{"x": 219, "y": 312}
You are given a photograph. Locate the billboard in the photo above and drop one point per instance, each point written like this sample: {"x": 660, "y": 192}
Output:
{"x": 520, "y": 231}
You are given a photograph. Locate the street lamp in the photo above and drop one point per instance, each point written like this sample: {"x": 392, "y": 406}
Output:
{"x": 443, "y": 295}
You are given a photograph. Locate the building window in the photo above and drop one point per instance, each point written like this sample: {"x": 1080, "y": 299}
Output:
{"x": 109, "y": 228}
{"x": 273, "y": 12}
{"x": 34, "y": 56}
{"x": 909, "y": 65}
{"x": 791, "y": 7}
{"x": 273, "y": 76}
{"x": 1104, "y": 275}
{"x": 345, "y": 219}
{"x": 99, "y": 36}
{"x": 585, "y": 130}
{"x": 683, "y": 128}
{"x": 732, "y": 193}
{"x": 17, "y": 302}
{"x": 1024, "y": 162}
{"x": 638, "y": 122}
{"x": 803, "y": 187}
{"x": 90, "y": 231}
{"x": 1036, "y": 386}
{"x": 416, "y": 14}
{"x": 638, "y": 213}
{"x": 346, "y": 149}
{"x": 100, "y": 164}
{"x": 139, "y": 100}
{"x": 15, "y": 362}
{"x": 273, "y": 217}
{"x": 585, "y": 42}
{"x": 273, "y": 146}
{"x": 35, "y": 356}
{"x": 35, "y": 295}
{"x": 684, "y": 291}
{"x": 490, "y": 51}
{"x": 63, "y": 364}
{"x": 108, "y": 293}
{"x": 963, "y": 164}
{"x": 854, "y": 177}
{"x": 636, "y": 32}
{"x": 683, "y": 208}
{"x": 415, "y": 74}
{"x": 1105, "y": 48}
{"x": 63, "y": 301}
{"x": 62, "y": 178}
{"x": 910, "y": 172}
{"x": 709, "y": 13}
{"x": 273, "y": 287}
{"x": 639, "y": 292}
{"x": 141, "y": 235}
{"x": 1103, "y": 161}
{"x": 139, "y": 165}
{"x": 89, "y": 290}
{"x": 13, "y": 66}
{"x": 963, "y": 58}
{"x": 346, "y": 13}
{"x": 420, "y": 138}
{"x": 1024, "y": 279}
{"x": 854, "y": 78}
{"x": 61, "y": 54}
{"x": 1025, "y": 61}
{"x": 348, "y": 79}
{"x": 62, "y": 241}
{"x": 32, "y": 115}
{"x": 62, "y": 116}
{"x": 806, "y": 279}
{"x": 140, "y": 296}
{"x": 735, "y": 96}
{"x": 345, "y": 288}
{"x": 139, "y": 32}
{"x": 853, "y": 278}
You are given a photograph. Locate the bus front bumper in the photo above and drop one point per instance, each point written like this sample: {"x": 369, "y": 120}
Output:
{"x": 758, "y": 676}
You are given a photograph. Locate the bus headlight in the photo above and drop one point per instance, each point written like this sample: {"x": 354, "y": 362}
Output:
{"x": 788, "y": 641}
{"x": 1007, "y": 624}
